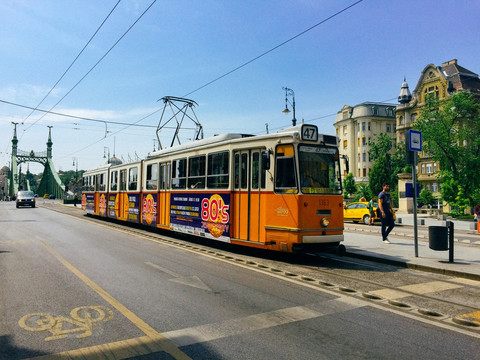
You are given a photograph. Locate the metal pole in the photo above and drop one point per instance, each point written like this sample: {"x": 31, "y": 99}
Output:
{"x": 415, "y": 224}
{"x": 450, "y": 241}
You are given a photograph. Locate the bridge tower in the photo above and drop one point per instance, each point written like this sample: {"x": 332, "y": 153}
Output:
{"x": 50, "y": 183}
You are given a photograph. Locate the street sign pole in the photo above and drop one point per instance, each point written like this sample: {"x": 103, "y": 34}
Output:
{"x": 415, "y": 223}
{"x": 414, "y": 145}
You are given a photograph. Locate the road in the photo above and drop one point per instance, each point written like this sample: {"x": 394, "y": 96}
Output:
{"x": 70, "y": 285}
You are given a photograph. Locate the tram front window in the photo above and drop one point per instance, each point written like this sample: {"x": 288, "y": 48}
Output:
{"x": 319, "y": 170}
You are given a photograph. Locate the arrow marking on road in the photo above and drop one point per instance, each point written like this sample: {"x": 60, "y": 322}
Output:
{"x": 192, "y": 281}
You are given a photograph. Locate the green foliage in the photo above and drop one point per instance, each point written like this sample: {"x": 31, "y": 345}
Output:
{"x": 349, "y": 186}
{"x": 427, "y": 198}
{"x": 450, "y": 131}
{"x": 386, "y": 165}
{"x": 363, "y": 190}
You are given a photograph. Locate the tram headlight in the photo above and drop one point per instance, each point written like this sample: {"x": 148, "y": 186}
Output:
{"x": 325, "y": 222}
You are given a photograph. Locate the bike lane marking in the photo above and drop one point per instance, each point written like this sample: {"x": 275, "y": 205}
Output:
{"x": 165, "y": 344}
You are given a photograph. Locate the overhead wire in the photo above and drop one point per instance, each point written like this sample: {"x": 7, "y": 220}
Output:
{"x": 243, "y": 65}
{"x": 73, "y": 62}
{"x": 274, "y": 48}
{"x": 98, "y": 62}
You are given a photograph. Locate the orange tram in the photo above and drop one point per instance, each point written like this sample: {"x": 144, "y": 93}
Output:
{"x": 278, "y": 191}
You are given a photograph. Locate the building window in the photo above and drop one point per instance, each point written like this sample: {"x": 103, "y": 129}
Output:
{"x": 345, "y": 130}
{"x": 434, "y": 167}
{"x": 369, "y": 126}
{"x": 400, "y": 120}
{"x": 345, "y": 144}
{"x": 434, "y": 187}
{"x": 423, "y": 169}
{"x": 345, "y": 114}
{"x": 375, "y": 110}
{"x": 363, "y": 126}
{"x": 364, "y": 141}
{"x": 389, "y": 128}
{"x": 358, "y": 140}
{"x": 429, "y": 168}
{"x": 364, "y": 157}
{"x": 364, "y": 172}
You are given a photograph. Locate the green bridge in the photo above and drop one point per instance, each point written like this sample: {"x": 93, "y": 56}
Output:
{"x": 50, "y": 183}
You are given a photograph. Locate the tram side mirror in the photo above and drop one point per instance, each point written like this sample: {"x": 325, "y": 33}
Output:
{"x": 265, "y": 161}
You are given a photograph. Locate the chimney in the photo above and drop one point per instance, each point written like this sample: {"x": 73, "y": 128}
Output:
{"x": 451, "y": 62}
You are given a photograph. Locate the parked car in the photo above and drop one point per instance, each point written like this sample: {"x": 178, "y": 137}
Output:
{"x": 25, "y": 198}
{"x": 358, "y": 211}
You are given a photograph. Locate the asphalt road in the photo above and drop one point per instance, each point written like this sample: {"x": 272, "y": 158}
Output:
{"x": 70, "y": 285}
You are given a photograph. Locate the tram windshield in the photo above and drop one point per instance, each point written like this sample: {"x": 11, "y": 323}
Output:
{"x": 319, "y": 170}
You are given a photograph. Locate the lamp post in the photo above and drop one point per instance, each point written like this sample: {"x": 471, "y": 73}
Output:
{"x": 287, "y": 111}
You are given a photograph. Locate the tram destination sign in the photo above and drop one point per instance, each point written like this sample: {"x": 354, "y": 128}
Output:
{"x": 309, "y": 133}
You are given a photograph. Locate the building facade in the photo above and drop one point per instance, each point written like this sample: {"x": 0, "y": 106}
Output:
{"x": 356, "y": 127}
{"x": 441, "y": 82}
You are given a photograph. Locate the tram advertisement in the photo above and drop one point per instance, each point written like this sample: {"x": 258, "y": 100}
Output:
{"x": 88, "y": 203}
{"x": 124, "y": 206}
{"x": 205, "y": 214}
{"x": 149, "y": 209}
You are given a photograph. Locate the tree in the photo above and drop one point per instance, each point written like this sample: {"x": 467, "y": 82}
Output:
{"x": 386, "y": 165}
{"x": 450, "y": 130}
{"x": 426, "y": 197}
{"x": 349, "y": 185}
{"x": 363, "y": 191}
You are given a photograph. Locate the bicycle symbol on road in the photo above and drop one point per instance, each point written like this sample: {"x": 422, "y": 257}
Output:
{"x": 80, "y": 325}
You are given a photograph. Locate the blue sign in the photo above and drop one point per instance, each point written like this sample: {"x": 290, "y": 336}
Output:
{"x": 414, "y": 140}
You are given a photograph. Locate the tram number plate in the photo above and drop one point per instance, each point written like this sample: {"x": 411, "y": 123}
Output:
{"x": 309, "y": 133}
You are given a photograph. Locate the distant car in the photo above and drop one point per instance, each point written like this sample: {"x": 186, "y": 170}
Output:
{"x": 358, "y": 211}
{"x": 25, "y": 198}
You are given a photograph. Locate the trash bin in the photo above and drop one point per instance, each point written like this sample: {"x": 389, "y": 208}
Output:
{"x": 438, "y": 238}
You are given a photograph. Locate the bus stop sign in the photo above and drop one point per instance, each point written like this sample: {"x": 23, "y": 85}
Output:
{"x": 415, "y": 140}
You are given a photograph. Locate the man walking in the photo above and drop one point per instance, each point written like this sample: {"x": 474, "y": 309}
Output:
{"x": 386, "y": 216}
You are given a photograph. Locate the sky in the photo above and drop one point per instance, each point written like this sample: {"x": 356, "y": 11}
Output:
{"x": 232, "y": 58}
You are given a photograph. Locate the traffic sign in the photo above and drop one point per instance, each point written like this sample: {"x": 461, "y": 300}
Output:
{"x": 415, "y": 140}
{"x": 477, "y": 210}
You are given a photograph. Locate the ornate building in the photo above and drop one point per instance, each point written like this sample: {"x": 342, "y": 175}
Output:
{"x": 441, "y": 82}
{"x": 356, "y": 127}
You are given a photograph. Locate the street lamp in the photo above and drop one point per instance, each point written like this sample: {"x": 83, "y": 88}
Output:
{"x": 287, "y": 111}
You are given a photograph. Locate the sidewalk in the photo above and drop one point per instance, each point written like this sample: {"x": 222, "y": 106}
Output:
{"x": 401, "y": 250}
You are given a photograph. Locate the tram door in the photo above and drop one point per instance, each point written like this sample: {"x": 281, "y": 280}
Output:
{"x": 247, "y": 195}
{"x": 163, "y": 202}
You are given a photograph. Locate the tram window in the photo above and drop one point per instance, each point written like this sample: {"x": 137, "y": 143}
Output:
{"x": 100, "y": 182}
{"x": 114, "y": 181}
{"x": 196, "y": 172}
{"x": 255, "y": 169}
{"x": 285, "y": 178}
{"x": 263, "y": 172}
{"x": 132, "y": 178}
{"x": 179, "y": 174}
{"x": 237, "y": 171}
{"x": 165, "y": 176}
{"x": 217, "y": 174}
{"x": 243, "y": 170}
{"x": 152, "y": 177}
{"x": 123, "y": 180}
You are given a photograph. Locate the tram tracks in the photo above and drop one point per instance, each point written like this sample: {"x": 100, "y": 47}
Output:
{"x": 310, "y": 271}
